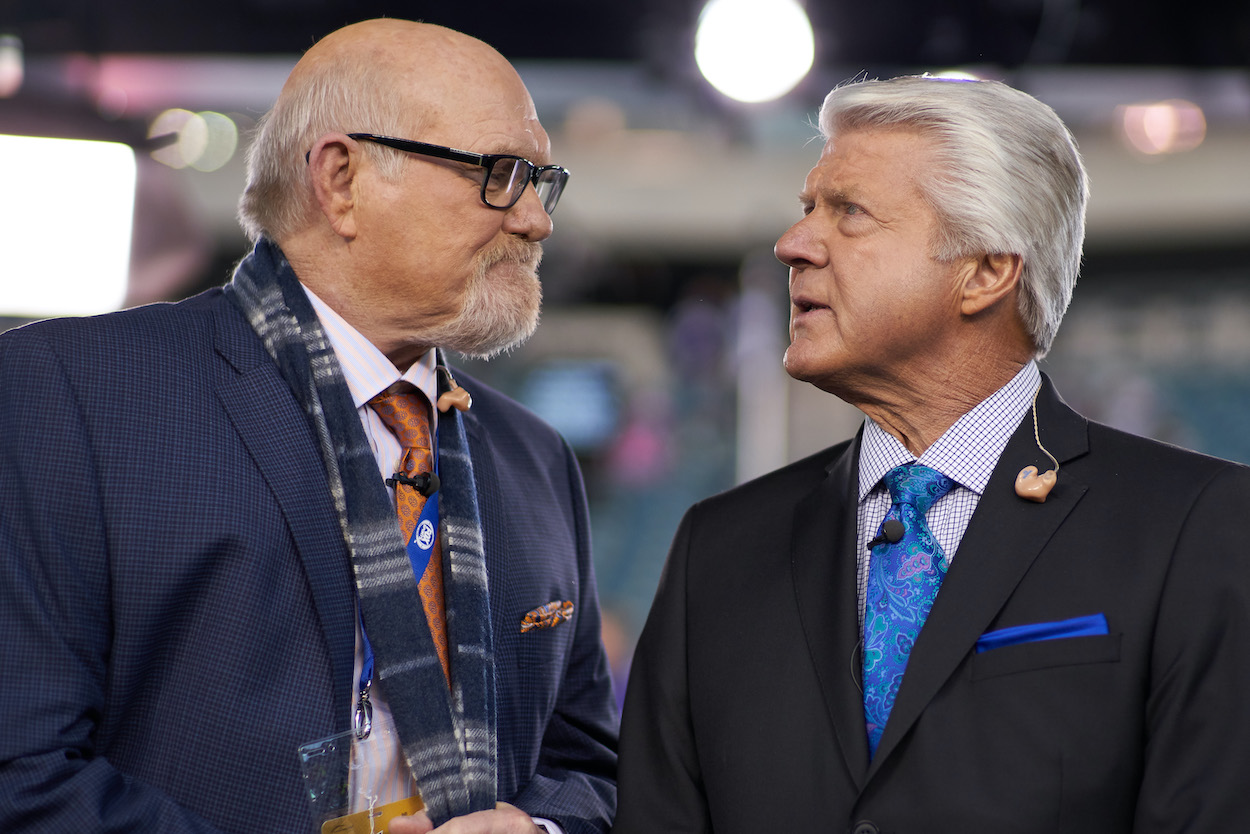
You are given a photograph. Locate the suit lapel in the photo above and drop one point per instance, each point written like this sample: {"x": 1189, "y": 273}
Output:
{"x": 1004, "y": 537}
{"x": 823, "y": 568}
{"x": 276, "y": 434}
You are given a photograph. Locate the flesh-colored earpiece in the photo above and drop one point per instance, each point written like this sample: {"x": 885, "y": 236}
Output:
{"x": 454, "y": 396}
{"x": 457, "y": 397}
{"x": 1030, "y": 485}
{"x": 1033, "y": 486}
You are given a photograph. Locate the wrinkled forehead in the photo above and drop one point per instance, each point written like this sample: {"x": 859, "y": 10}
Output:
{"x": 494, "y": 123}
{"x": 870, "y": 163}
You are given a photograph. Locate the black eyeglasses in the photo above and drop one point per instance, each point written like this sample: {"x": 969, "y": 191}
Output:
{"x": 506, "y": 175}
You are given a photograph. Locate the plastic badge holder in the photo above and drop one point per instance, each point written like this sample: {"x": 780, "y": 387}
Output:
{"x": 333, "y": 769}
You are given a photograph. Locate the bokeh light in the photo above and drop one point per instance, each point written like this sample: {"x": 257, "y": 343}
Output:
{"x": 1163, "y": 127}
{"x": 957, "y": 75}
{"x": 204, "y": 141}
{"x": 12, "y": 66}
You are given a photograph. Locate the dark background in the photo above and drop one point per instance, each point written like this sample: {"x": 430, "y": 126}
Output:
{"x": 1199, "y": 33}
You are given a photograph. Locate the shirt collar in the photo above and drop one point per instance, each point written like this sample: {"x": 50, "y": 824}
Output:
{"x": 367, "y": 370}
{"x": 968, "y": 451}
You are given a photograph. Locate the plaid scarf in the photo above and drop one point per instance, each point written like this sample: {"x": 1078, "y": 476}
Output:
{"x": 448, "y": 737}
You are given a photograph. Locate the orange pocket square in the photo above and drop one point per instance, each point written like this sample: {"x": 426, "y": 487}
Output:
{"x": 546, "y": 616}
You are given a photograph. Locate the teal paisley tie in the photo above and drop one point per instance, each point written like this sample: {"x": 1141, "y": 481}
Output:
{"x": 903, "y": 579}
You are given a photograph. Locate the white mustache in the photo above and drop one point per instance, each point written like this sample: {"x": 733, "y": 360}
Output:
{"x": 522, "y": 252}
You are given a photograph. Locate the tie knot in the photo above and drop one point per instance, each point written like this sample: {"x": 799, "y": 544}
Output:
{"x": 917, "y": 485}
{"x": 406, "y": 412}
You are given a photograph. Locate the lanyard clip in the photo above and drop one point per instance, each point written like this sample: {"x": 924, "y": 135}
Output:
{"x": 362, "y": 720}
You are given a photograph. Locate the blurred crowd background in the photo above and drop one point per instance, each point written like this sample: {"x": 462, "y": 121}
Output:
{"x": 665, "y": 313}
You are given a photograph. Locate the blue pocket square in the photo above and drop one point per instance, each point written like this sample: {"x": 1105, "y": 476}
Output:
{"x": 1089, "y": 626}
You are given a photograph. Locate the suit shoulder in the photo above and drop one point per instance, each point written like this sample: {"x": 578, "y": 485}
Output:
{"x": 1133, "y": 452}
{"x": 122, "y": 329}
{"x": 1159, "y": 475}
{"x": 158, "y": 345}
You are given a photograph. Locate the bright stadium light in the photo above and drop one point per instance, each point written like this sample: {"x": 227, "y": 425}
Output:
{"x": 754, "y": 50}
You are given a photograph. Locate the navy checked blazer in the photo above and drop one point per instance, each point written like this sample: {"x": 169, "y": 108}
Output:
{"x": 176, "y": 603}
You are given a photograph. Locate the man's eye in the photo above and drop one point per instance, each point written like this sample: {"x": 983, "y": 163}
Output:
{"x": 851, "y": 208}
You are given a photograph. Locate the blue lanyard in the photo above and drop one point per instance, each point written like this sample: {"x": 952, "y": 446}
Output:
{"x": 420, "y": 548}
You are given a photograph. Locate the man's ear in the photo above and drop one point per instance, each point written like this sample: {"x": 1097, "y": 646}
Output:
{"x": 988, "y": 280}
{"x": 333, "y": 164}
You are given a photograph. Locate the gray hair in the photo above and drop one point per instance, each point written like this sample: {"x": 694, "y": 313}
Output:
{"x": 1009, "y": 180}
{"x": 348, "y": 95}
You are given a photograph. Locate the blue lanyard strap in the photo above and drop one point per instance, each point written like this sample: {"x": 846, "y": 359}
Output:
{"x": 362, "y": 720}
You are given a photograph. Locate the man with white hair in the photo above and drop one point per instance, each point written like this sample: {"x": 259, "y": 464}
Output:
{"x": 265, "y": 565}
{"x": 984, "y": 613}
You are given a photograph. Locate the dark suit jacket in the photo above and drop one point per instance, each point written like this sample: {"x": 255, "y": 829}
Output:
{"x": 744, "y": 711}
{"x": 176, "y": 603}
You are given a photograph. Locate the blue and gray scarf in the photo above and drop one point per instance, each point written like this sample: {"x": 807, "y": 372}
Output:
{"x": 448, "y": 737}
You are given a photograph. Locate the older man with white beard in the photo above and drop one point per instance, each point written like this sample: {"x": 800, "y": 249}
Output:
{"x": 269, "y": 564}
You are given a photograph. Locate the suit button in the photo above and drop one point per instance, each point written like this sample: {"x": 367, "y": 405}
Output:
{"x": 865, "y": 827}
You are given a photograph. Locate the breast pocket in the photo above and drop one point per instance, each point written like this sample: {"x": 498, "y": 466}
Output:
{"x": 1046, "y": 654}
{"x": 546, "y": 635}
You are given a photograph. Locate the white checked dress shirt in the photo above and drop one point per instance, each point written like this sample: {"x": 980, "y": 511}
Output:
{"x": 966, "y": 453}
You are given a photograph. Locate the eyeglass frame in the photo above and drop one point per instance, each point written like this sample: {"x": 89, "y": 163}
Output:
{"x": 483, "y": 160}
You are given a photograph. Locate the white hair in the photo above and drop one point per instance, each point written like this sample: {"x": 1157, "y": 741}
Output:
{"x": 349, "y": 96}
{"x": 1009, "y": 178}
